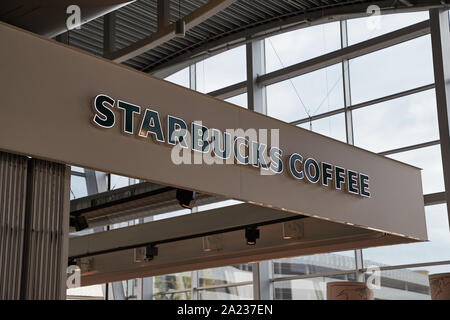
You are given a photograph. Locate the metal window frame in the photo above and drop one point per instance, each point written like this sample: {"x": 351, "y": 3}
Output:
{"x": 356, "y": 50}
{"x": 362, "y": 270}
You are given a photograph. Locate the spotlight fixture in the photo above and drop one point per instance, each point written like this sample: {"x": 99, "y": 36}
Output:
{"x": 79, "y": 223}
{"x": 180, "y": 28}
{"x": 186, "y": 198}
{"x": 150, "y": 252}
{"x": 180, "y": 25}
{"x": 251, "y": 234}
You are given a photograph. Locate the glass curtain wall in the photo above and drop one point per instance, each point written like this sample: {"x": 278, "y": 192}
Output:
{"x": 390, "y": 95}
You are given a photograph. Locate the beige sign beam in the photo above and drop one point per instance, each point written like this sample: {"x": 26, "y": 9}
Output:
{"x": 168, "y": 32}
{"x": 48, "y": 95}
{"x": 229, "y": 248}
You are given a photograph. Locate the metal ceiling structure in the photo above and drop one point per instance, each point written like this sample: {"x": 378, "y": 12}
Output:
{"x": 238, "y": 23}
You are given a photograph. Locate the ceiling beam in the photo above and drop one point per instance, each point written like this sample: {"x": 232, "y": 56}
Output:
{"x": 128, "y": 203}
{"x": 163, "y": 7}
{"x": 168, "y": 33}
{"x": 209, "y": 222}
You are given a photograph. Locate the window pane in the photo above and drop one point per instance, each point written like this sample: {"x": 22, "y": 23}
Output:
{"x": 429, "y": 159}
{"x": 78, "y": 187}
{"x": 94, "y": 292}
{"x": 118, "y": 182}
{"x": 397, "y": 123}
{"x": 401, "y": 67}
{"x": 307, "y": 95}
{"x": 307, "y": 289}
{"x": 403, "y": 284}
{"x": 240, "y": 100}
{"x": 225, "y": 275}
{"x": 430, "y": 270}
{"x": 229, "y": 293}
{"x": 319, "y": 263}
{"x": 181, "y": 78}
{"x": 408, "y": 284}
{"x": 296, "y": 46}
{"x": 222, "y": 70}
{"x": 366, "y": 28}
{"x": 77, "y": 169}
{"x": 333, "y": 127}
{"x": 436, "y": 249}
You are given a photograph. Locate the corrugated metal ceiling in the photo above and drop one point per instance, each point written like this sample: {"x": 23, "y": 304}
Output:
{"x": 139, "y": 19}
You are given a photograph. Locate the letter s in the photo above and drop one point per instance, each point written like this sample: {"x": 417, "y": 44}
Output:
{"x": 106, "y": 119}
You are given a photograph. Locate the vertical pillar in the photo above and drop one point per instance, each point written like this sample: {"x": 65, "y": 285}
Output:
{"x": 256, "y": 66}
{"x": 147, "y": 289}
{"x": 440, "y": 39}
{"x": 349, "y": 127}
{"x": 13, "y": 180}
{"x": 359, "y": 265}
{"x": 346, "y": 86}
{"x": 34, "y": 224}
{"x": 163, "y": 7}
{"x": 109, "y": 33}
{"x": 91, "y": 181}
{"x": 195, "y": 295}
{"x": 46, "y": 231}
{"x": 118, "y": 290}
{"x": 101, "y": 180}
{"x": 257, "y": 101}
{"x": 262, "y": 284}
{"x": 193, "y": 77}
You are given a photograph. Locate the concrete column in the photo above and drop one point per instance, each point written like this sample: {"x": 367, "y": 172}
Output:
{"x": 343, "y": 290}
{"x": 440, "y": 286}
{"x": 34, "y": 222}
